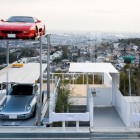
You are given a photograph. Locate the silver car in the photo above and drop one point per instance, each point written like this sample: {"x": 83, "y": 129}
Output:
{"x": 20, "y": 103}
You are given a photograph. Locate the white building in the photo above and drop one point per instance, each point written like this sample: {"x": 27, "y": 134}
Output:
{"x": 106, "y": 106}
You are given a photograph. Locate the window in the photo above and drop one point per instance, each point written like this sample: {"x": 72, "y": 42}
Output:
{"x": 21, "y": 90}
{"x": 20, "y": 19}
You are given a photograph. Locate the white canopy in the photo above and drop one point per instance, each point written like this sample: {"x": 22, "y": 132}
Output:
{"x": 26, "y": 74}
{"x": 92, "y": 68}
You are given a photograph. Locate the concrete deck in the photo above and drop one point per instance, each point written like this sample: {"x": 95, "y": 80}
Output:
{"x": 107, "y": 117}
{"x": 29, "y": 73}
{"x": 38, "y": 133}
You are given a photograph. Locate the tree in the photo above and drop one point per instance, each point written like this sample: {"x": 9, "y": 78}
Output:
{"x": 65, "y": 52}
{"x": 63, "y": 103}
{"x": 124, "y": 82}
{"x": 57, "y": 60}
{"x": 28, "y": 52}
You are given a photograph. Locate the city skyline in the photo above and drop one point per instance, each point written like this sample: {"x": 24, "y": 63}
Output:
{"x": 78, "y": 15}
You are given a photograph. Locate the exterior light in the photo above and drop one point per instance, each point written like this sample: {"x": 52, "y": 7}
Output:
{"x": 93, "y": 93}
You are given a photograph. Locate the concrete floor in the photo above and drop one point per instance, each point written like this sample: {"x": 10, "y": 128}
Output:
{"x": 107, "y": 117}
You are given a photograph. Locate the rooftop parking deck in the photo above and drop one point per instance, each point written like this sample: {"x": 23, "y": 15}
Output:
{"x": 21, "y": 74}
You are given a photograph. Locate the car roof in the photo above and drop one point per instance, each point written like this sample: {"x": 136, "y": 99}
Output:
{"x": 22, "y": 16}
{"x": 23, "y": 84}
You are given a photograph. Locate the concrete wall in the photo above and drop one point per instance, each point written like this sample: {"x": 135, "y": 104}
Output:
{"x": 58, "y": 117}
{"x": 128, "y": 108}
{"x": 103, "y": 96}
{"x": 122, "y": 107}
{"x": 134, "y": 102}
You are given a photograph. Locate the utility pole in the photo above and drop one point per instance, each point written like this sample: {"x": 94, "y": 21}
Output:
{"x": 112, "y": 45}
{"x": 128, "y": 70}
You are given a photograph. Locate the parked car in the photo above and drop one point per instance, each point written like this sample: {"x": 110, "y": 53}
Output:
{"x": 20, "y": 102}
{"x": 21, "y": 27}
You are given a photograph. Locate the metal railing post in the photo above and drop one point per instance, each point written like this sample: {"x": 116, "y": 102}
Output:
{"x": 48, "y": 66}
{"x": 7, "y": 61}
{"x": 40, "y": 95}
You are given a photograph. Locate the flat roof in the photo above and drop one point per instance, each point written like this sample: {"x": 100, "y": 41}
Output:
{"x": 29, "y": 73}
{"x": 92, "y": 68}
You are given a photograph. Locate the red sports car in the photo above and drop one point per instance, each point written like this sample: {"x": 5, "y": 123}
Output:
{"x": 21, "y": 27}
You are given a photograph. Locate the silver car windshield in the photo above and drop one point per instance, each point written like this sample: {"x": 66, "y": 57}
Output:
{"x": 21, "y": 90}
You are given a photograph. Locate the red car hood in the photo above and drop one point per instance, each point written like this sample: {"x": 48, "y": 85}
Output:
{"x": 15, "y": 26}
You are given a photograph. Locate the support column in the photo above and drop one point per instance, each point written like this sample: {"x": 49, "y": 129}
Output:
{"x": 48, "y": 66}
{"x": 93, "y": 78}
{"x": 73, "y": 78}
{"x": 55, "y": 81}
{"x": 91, "y": 110}
{"x": 77, "y": 125}
{"x": 113, "y": 88}
{"x": 7, "y": 61}
{"x": 87, "y": 90}
{"x": 83, "y": 78}
{"x": 63, "y": 126}
{"x": 39, "y": 109}
{"x": 102, "y": 78}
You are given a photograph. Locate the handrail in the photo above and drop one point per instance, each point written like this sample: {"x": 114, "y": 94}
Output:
{"x": 56, "y": 85}
{"x": 52, "y": 103}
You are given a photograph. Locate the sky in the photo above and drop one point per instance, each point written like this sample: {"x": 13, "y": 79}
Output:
{"x": 78, "y": 15}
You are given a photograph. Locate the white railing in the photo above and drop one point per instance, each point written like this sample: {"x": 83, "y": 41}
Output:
{"x": 128, "y": 108}
{"x": 135, "y": 112}
{"x": 72, "y": 77}
{"x": 66, "y": 117}
{"x": 53, "y": 97}
{"x": 122, "y": 107}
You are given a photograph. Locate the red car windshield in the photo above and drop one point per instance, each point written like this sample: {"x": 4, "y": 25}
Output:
{"x": 20, "y": 19}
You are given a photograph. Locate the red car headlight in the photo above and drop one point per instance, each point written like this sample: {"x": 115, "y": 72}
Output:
{"x": 26, "y": 32}
{"x": 32, "y": 28}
